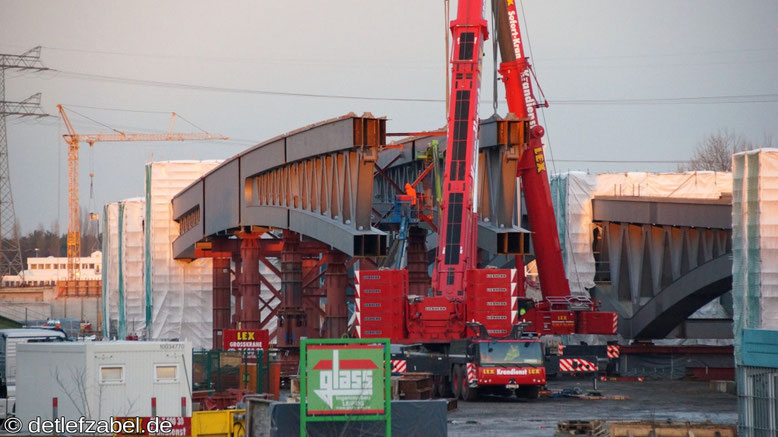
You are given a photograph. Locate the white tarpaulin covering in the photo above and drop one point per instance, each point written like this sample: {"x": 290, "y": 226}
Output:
{"x": 180, "y": 292}
{"x": 755, "y": 241}
{"x": 110, "y": 269}
{"x": 141, "y": 277}
{"x": 132, "y": 266}
{"x": 573, "y": 193}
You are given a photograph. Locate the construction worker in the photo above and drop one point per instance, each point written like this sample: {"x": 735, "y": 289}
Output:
{"x": 409, "y": 190}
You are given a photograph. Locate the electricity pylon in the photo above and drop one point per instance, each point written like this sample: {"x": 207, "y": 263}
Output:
{"x": 10, "y": 251}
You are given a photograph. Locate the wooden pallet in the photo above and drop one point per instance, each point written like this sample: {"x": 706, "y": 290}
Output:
{"x": 415, "y": 386}
{"x": 589, "y": 428}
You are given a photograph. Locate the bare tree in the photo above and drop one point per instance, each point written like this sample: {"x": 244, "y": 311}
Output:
{"x": 76, "y": 390}
{"x": 714, "y": 152}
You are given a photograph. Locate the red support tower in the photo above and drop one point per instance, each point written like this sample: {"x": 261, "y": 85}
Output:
{"x": 335, "y": 282}
{"x": 249, "y": 281}
{"x": 221, "y": 296}
{"x": 291, "y": 317}
{"x": 311, "y": 277}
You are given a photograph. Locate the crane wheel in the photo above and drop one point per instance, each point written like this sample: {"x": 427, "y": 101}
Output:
{"x": 468, "y": 393}
{"x": 531, "y": 392}
{"x": 440, "y": 386}
{"x": 456, "y": 381}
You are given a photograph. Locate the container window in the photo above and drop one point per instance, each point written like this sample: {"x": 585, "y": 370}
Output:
{"x": 111, "y": 374}
{"x": 165, "y": 373}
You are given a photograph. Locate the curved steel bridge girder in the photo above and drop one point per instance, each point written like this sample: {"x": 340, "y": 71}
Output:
{"x": 317, "y": 181}
{"x": 674, "y": 304}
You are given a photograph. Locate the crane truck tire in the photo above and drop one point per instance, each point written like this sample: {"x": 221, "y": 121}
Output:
{"x": 456, "y": 381}
{"x": 442, "y": 386}
{"x": 531, "y": 392}
{"x": 468, "y": 393}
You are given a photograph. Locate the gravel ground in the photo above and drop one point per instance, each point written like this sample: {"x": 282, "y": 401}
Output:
{"x": 686, "y": 401}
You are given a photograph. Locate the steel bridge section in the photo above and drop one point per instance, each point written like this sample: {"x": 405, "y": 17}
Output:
{"x": 499, "y": 148}
{"x": 316, "y": 181}
{"x": 659, "y": 261}
{"x": 674, "y": 304}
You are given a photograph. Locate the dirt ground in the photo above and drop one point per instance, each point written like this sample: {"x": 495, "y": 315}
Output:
{"x": 649, "y": 400}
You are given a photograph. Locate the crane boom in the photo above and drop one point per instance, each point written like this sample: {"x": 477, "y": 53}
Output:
{"x": 73, "y": 141}
{"x": 458, "y": 225}
{"x": 516, "y": 75}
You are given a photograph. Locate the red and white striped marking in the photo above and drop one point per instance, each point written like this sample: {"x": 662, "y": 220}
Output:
{"x": 399, "y": 366}
{"x": 514, "y": 297}
{"x": 471, "y": 373}
{"x": 357, "y": 312}
{"x": 561, "y": 349}
{"x": 615, "y": 323}
{"x": 613, "y": 351}
{"x": 576, "y": 365}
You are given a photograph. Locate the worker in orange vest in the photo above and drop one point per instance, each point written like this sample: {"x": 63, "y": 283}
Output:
{"x": 409, "y": 190}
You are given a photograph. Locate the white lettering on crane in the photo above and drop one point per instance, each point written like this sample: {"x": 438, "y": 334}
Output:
{"x": 515, "y": 35}
{"x": 529, "y": 100}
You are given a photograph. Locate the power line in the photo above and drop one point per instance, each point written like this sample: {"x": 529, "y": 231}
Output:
{"x": 415, "y": 62}
{"x": 723, "y": 99}
{"x": 103, "y": 108}
{"x": 619, "y": 161}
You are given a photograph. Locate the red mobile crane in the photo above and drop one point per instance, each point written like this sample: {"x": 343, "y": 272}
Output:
{"x": 466, "y": 331}
{"x": 559, "y": 312}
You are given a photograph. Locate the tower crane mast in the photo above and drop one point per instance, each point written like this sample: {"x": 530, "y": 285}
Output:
{"x": 73, "y": 141}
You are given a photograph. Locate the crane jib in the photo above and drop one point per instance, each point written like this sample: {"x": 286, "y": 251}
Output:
{"x": 513, "y": 23}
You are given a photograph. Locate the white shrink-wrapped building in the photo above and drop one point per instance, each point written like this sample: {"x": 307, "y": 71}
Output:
{"x": 146, "y": 293}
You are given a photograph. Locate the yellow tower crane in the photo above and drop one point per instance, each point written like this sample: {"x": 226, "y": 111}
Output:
{"x": 73, "y": 140}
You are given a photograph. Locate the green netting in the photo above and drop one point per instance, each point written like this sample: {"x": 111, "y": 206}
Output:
{"x": 558, "y": 185}
{"x": 746, "y": 246}
{"x": 147, "y": 254}
{"x": 122, "y": 329}
{"x": 105, "y": 248}
{"x": 738, "y": 250}
{"x": 753, "y": 240}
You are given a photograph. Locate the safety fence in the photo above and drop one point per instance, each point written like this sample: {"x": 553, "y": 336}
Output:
{"x": 757, "y": 389}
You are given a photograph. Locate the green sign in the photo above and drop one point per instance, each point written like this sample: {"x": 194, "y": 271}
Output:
{"x": 344, "y": 379}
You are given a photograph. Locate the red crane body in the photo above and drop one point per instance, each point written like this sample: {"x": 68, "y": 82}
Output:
{"x": 462, "y": 295}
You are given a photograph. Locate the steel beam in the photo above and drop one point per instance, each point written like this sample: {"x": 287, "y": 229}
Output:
{"x": 674, "y": 304}
{"x": 696, "y": 213}
{"x": 317, "y": 181}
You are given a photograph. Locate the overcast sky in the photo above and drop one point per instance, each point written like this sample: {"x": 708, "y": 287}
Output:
{"x": 213, "y": 61}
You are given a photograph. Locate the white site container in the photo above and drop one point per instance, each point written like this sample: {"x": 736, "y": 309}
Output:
{"x": 100, "y": 380}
